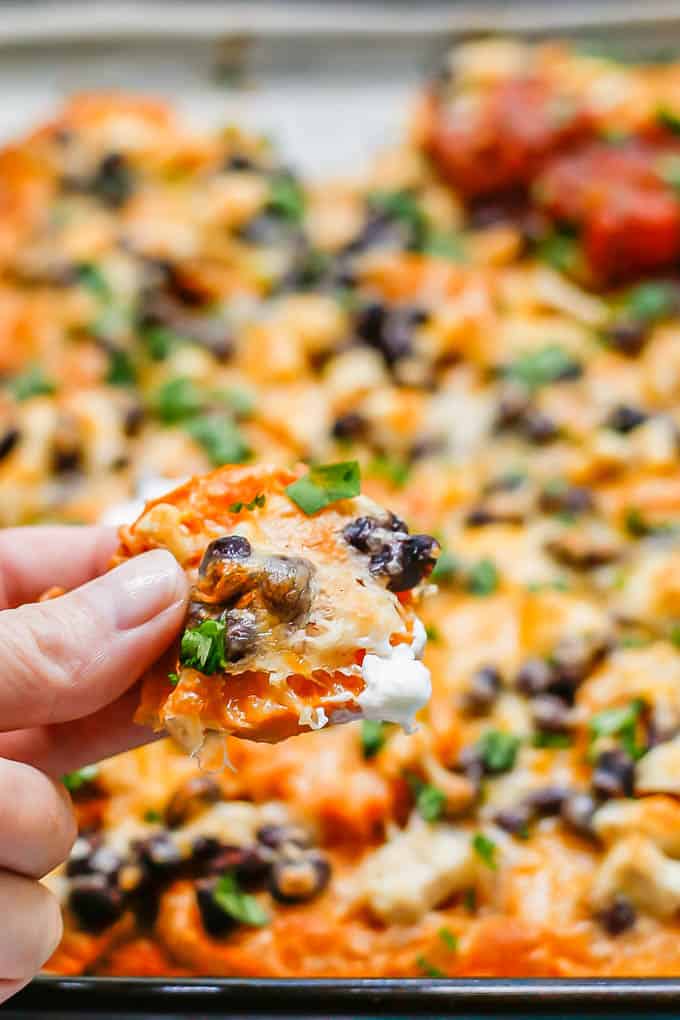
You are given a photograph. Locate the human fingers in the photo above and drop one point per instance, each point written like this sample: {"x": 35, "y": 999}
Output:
{"x": 37, "y": 824}
{"x": 67, "y": 658}
{"x": 34, "y": 559}
{"x": 30, "y": 931}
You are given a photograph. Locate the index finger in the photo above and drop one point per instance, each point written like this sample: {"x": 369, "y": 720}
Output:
{"x": 33, "y": 559}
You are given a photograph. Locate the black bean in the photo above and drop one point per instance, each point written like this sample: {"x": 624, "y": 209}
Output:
{"x": 216, "y": 921}
{"x": 190, "y": 799}
{"x": 569, "y": 499}
{"x": 349, "y": 426}
{"x": 8, "y": 442}
{"x": 618, "y": 917}
{"x": 276, "y": 836}
{"x": 513, "y": 405}
{"x": 628, "y": 337}
{"x": 248, "y": 864}
{"x": 483, "y": 690}
{"x": 269, "y": 230}
{"x": 625, "y": 418}
{"x": 379, "y": 231}
{"x": 241, "y": 633}
{"x": 389, "y": 330}
{"x": 113, "y": 181}
{"x": 95, "y": 903}
{"x": 237, "y": 161}
{"x": 230, "y": 547}
{"x": 514, "y": 820}
{"x": 300, "y": 879}
{"x": 286, "y": 585}
{"x": 365, "y": 533}
{"x": 547, "y": 800}
{"x": 614, "y": 774}
{"x": 538, "y": 427}
{"x": 575, "y": 656}
{"x": 550, "y": 713}
{"x": 577, "y": 813}
{"x": 428, "y": 446}
{"x": 535, "y": 677}
{"x": 158, "y": 854}
{"x": 478, "y": 517}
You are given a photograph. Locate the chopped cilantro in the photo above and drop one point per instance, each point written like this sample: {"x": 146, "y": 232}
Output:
{"x": 243, "y": 907}
{"x": 153, "y": 817}
{"x": 392, "y": 469}
{"x": 482, "y": 578}
{"x": 432, "y": 632}
{"x": 634, "y": 641}
{"x": 31, "y": 383}
{"x": 637, "y": 525}
{"x": 373, "y": 737}
{"x": 428, "y": 968}
{"x": 543, "y": 739}
{"x": 240, "y": 401}
{"x": 446, "y": 567}
{"x": 444, "y": 246}
{"x": 203, "y": 647}
{"x": 402, "y": 206}
{"x": 498, "y": 750}
{"x": 430, "y": 802}
{"x": 286, "y": 198}
{"x": 547, "y": 365}
{"x": 674, "y": 635}
{"x": 173, "y": 679}
{"x": 486, "y": 849}
{"x": 649, "y": 302}
{"x": 121, "y": 369}
{"x": 81, "y": 777}
{"x": 161, "y": 341}
{"x": 668, "y": 119}
{"x": 470, "y": 900}
{"x": 254, "y": 504}
{"x": 178, "y": 399}
{"x": 220, "y": 438}
{"x": 620, "y": 723}
{"x": 448, "y": 938}
{"x": 325, "y": 484}
{"x": 91, "y": 278}
{"x": 561, "y": 250}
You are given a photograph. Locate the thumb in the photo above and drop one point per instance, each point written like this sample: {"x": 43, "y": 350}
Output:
{"x": 66, "y": 658}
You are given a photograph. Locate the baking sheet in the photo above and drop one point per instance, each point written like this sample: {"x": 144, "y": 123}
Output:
{"x": 331, "y": 83}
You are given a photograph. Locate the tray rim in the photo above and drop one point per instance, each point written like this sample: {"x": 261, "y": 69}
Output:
{"x": 126, "y": 22}
{"x": 123, "y": 20}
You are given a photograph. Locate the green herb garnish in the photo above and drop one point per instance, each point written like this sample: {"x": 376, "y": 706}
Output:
{"x": 286, "y": 198}
{"x": 430, "y": 802}
{"x": 121, "y": 369}
{"x": 668, "y": 119}
{"x": 31, "y": 383}
{"x": 173, "y": 679}
{"x": 650, "y": 302}
{"x": 448, "y": 938}
{"x": 561, "y": 250}
{"x": 428, "y": 968}
{"x": 255, "y": 504}
{"x": 486, "y": 849}
{"x": 243, "y": 907}
{"x": 498, "y": 750}
{"x": 674, "y": 635}
{"x": 432, "y": 633}
{"x": 220, "y": 438}
{"x": 373, "y": 737}
{"x": 91, "y": 278}
{"x": 153, "y": 817}
{"x": 178, "y": 399}
{"x": 325, "y": 484}
{"x": 620, "y": 723}
{"x": 446, "y": 567}
{"x": 444, "y": 246}
{"x": 392, "y": 469}
{"x": 539, "y": 368}
{"x": 81, "y": 777}
{"x": 543, "y": 739}
{"x": 161, "y": 341}
{"x": 203, "y": 647}
{"x": 482, "y": 578}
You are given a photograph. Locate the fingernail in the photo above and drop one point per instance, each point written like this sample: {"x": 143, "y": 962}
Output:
{"x": 145, "y": 586}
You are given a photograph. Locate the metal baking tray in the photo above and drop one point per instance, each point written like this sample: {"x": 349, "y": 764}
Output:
{"x": 343, "y": 75}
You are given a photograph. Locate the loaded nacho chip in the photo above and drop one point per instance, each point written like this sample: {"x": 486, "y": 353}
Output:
{"x": 301, "y": 607}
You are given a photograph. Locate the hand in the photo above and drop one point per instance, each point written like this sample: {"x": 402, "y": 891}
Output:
{"x": 67, "y": 670}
